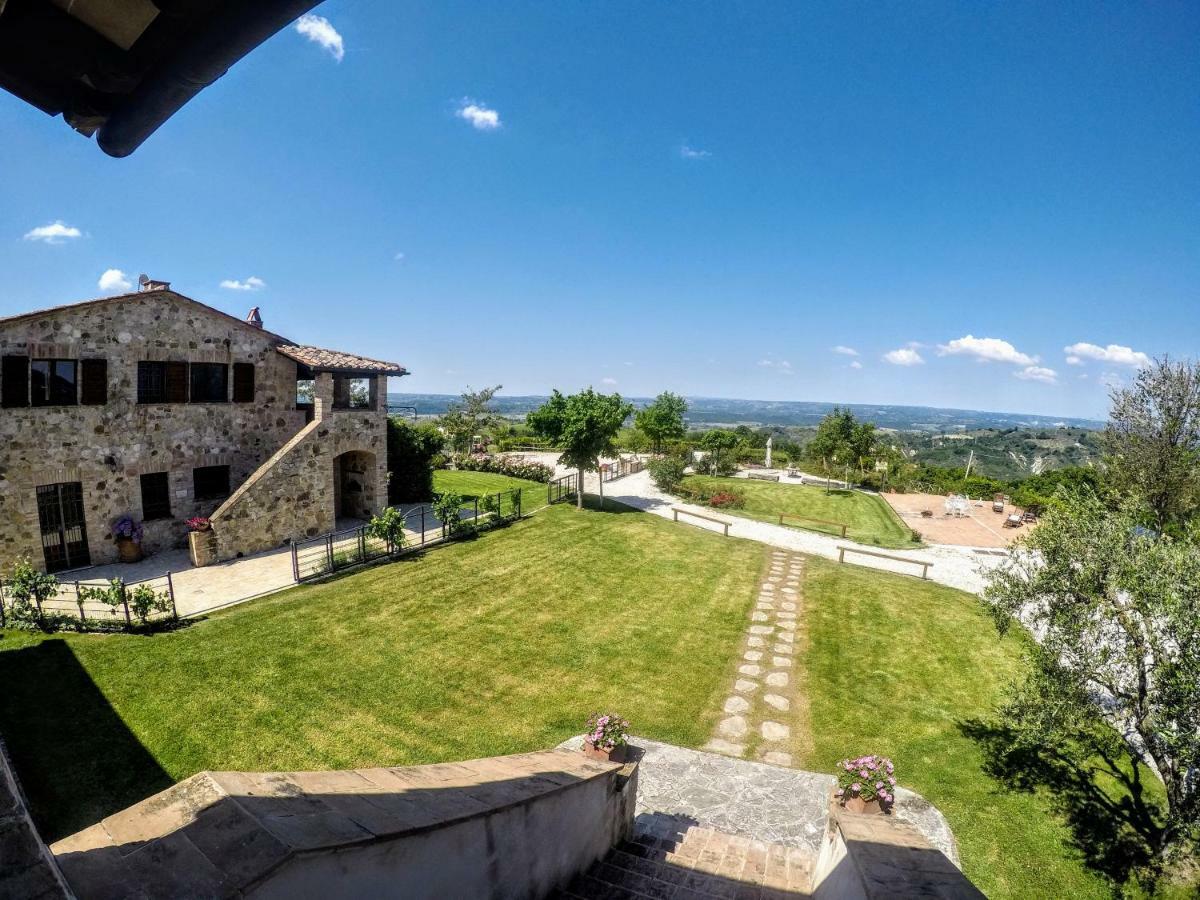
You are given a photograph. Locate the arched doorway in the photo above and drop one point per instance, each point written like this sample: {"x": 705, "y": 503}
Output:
{"x": 354, "y": 485}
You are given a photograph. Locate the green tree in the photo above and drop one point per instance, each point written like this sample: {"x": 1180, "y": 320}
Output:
{"x": 584, "y": 425}
{"x": 662, "y": 420}
{"x": 715, "y": 441}
{"x": 1153, "y": 441}
{"x": 472, "y": 415}
{"x": 410, "y": 453}
{"x": 1116, "y": 612}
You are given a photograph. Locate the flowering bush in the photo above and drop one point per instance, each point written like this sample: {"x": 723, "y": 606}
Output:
{"x": 126, "y": 527}
{"x": 868, "y": 778}
{"x": 198, "y": 523}
{"x": 726, "y": 500}
{"x": 503, "y": 465}
{"x": 606, "y": 732}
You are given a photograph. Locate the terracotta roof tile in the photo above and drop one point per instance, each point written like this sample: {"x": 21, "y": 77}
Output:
{"x": 324, "y": 360}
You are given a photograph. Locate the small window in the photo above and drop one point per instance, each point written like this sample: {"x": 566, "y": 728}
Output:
{"x": 14, "y": 381}
{"x": 243, "y": 382}
{"x": 156, "y": 496}
{"x": 210, "y": 383}
{"x": 162, "y": 382}
{"x": 152, "y": 382}
{"x": 52, "y": 382}
{"x": 93, "y": 382}
{"x": 210, "y": 482}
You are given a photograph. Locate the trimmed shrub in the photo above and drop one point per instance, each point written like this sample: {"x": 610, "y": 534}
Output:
{"x": 726, "y": 500}
{"x": 666, "y": 473}
{"x": 411, "y": 451}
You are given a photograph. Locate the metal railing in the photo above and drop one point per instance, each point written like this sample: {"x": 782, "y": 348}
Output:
{"x": 94, "y": 605}
{"x": 325, "y": 554}
{"x": 560, "y": 489}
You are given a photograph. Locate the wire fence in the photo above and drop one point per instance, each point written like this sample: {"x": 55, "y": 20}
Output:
{"x": 560, "y": 489}
{"x": 91, "y": 605}
{"x": 419, "y": 528}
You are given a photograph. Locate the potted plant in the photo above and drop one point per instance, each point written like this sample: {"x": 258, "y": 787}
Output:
{"x": 606, "y": 737}
{"x": 128, "y": 535}
{"x": 866, "y": 784}
{"x": 202, "y": 543}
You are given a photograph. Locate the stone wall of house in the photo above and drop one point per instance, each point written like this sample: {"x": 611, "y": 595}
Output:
{"x": 106, "y": 448}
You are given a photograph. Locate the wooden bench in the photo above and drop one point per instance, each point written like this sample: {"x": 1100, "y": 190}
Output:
{"x": 841, "y": 525}
{"x": 687, "y": 512}
{"x": 762, "y": 476}
{"x": 842, "y": 551}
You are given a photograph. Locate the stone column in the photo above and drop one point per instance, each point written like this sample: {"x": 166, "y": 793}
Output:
{"x": 379, "y": 393}
{"x": 322, "y": 395}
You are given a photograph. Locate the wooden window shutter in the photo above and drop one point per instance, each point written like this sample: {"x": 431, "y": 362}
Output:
{"x": 14, "y": 381}
{"x": 93, "y": 389}
{"x": 243, "y": 382}
{"x": 176, "y": 382}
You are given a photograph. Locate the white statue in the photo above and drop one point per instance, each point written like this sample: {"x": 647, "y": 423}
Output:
{"x": 770, "y": 441}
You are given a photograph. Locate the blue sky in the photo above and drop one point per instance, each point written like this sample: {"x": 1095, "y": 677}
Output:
{"x": 703, "y": 197}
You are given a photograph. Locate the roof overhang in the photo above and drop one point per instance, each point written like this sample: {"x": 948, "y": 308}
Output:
{"x": 311, "y": 360}
{"x": 120, "y": 68}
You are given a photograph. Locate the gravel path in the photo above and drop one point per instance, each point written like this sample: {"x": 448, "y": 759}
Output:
{"x": 958, "y": 567}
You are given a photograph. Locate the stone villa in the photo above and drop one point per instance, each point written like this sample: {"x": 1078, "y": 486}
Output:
{"x": 153, "y": 405}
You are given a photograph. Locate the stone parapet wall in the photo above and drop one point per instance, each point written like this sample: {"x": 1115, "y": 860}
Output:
{"x": 27, "y": 870}
{"x": 510, "y": 826}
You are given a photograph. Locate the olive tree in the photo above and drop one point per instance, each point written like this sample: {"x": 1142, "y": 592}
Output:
{"x": 1153, "y": 441}
{"x": 584, "y": 425}
{"x": 1115, "y": 611}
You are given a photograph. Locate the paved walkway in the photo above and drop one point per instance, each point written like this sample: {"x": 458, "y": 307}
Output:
{"x": 763, "y": 714}
{"x": 710, "y": 826}
{"x": 958, "y": 567}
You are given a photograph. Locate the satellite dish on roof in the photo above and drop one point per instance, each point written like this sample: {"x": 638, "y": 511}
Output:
{"x": 143, "y": 279}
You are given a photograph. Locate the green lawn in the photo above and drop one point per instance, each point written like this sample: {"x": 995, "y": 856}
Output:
{"x": 498, "y": 645}
{"x": 914, "y": 671}
{"x": 476, "y": 484}
{"x": 870, "y": 519}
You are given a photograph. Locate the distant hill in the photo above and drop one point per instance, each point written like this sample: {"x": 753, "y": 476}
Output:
{"x": 721, "y": 411}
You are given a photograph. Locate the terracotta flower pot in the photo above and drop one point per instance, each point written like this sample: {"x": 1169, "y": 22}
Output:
{"x": 867, "y": 807}
{"x": 616, "y": 754}
{"x": 128, "y": 550}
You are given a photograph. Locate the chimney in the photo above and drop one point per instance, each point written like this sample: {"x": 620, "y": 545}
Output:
{"x": 254, "y": 318}
{"x": 146, "y": 283}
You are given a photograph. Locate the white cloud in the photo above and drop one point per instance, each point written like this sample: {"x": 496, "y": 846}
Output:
{"x": 628, "y": 363}
{"x": 844, "y": 350}
{"x": 782, "y": 366}
{"x": 905, "y": 356}
{"x": 253, "y": 283}
{"x": 114, "y": 280}
{"x": 1038, "y": 373}
{"x": 855, "y": 364}
{"x": 57, "y": 232}
{"x": 986, "y": 350}
{"x": 321, "y": 31}
{"x": 688, "y": 152}
{"x": 479, "y": 115}
{"x": 399, "y": 257}
{"x": 608, "y": 380}
{"x": 1113, "y": 353}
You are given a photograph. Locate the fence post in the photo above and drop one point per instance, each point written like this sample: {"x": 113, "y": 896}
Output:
{"x": 329, "y": 550}
{"x": 362, "y": 543}
{"x": 549, "y": 491}
{"x": 519, "y": 493}
{"x": 125, "y": 603}
{"x": 171, "y": 594}
{"x": 422, "y": 524}
{"x": 3, "y": 617}
{"x": 79, "y": 603}
{"x": 476, "y": 523}
{"x": 295, "y": 564}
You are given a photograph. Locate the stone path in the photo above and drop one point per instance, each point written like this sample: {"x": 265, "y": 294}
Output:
{"x": 764, "y": 707}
